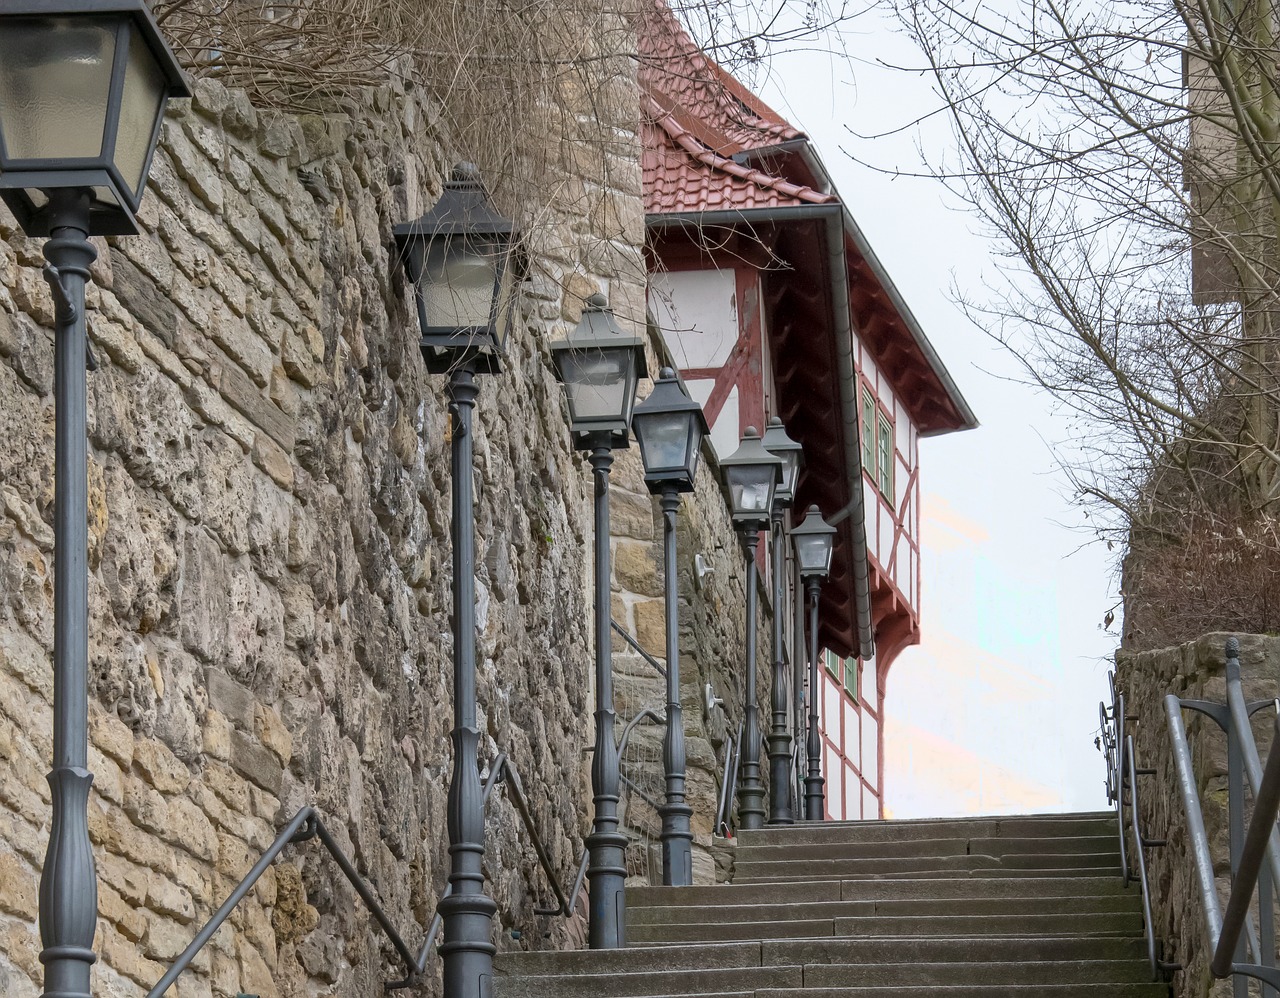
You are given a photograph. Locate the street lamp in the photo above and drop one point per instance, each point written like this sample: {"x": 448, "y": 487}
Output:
{"x": 459, "y": 257}
{"x": 752, "y": 475}
{"x": 791, "y": 453}
{"x": 83, "y": 89}
{"x": 814, "y": 541}
{"x": 599, "y": 364}
{"x": 669, "y": 428}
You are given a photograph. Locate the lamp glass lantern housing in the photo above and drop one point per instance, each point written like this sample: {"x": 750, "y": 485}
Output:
{"x": 83, "y": 88}
{"x": 669, "y": 428}
{"x": 461, "y": 258}
{"x": 600, "y": 364}
{"x": 791, "y": 452}
{"x": 752, "y": 474}
{"x": 814, "y": 541}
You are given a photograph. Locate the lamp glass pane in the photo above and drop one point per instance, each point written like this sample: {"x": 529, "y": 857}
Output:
{"x": 813, "y": 551}
{"x": 751, "y": 489}
{"x": 790, "y": 471}
{"x": 664, "y": 440}
{"x": 458, "y": 284}
{"x": 597, "y": 382}
{"x": 55, "y": 80}
{"x": 141, "y": 103}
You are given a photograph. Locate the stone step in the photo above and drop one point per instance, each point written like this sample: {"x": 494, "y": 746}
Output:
{"x": 978, "y": 991}
{"x": 1030, "y": 826}
{"x": 904, "y": 887}
{"x": 1102, "y": 845}
{"x": 746, "y": 871}
{"x": 1002, "y": 973}
{"x": 777, "y": 911}
{"x": 820, "y": 976}
{"x": 976, "y": 950}
{"x": 639, "y": 958}
{"x": 636, "y": 958}
{"x": 664, "y": 982}
{"x": 931, "y": 926}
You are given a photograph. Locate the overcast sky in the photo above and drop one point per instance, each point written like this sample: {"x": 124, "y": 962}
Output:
{"x": 997, "y": 709}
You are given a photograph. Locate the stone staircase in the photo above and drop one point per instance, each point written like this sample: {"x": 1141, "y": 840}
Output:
{"x": 970, "y": 908}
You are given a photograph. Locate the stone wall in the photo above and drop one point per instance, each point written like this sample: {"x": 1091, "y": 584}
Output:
{"x": 270, "y": 559}
{"x": 1195, "y": 670}
{"x": 712, "y": 611}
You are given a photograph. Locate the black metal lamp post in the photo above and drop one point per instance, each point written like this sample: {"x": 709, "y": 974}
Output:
{"x": 777, "y": 443}
{"x": 752, "y": 474}
{"x": 460, "y": 257}
{"x": 669, "y": 427}
{"x": 600, "y": 364}
{"x": 83, "y": 88}
{"x": 814, "y": 540}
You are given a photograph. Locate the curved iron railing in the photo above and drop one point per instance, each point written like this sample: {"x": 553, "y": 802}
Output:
{"x": 1255, "y": 849}
{"x": 304, "y": 825}
{"x": 307, "y": 824}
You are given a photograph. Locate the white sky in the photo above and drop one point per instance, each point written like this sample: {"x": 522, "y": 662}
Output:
{"x": 997, "y": 710}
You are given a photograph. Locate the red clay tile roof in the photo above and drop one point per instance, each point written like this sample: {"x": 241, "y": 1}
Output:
{"x": 681, "y": 174}
{"x": 697, "y": 116}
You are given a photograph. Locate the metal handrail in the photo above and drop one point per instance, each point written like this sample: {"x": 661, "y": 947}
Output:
{"x": 1255, "y": 850}
{"x": 1139, "y": 845}
{"x": 1122, "y": 788}
{"x": 732, "y": 760}
{"x": 304, "y": 825}
{"x": 502, "y": 769}
{"x": 635, "y": 646}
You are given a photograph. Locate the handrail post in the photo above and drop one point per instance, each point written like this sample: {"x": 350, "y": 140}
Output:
{"x": 1235, "y": 815}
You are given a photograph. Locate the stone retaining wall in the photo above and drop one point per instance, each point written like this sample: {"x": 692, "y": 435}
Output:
{"x": 270, "y": 560}
{"x": 1195, "y": 670}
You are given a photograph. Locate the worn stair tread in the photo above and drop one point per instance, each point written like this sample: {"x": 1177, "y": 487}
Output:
{"x": 827, "y": 975}
{"x": 901, "y": 949}
{"x": 1106, "y": 844}
{"x": 828, "y": 950}
{"x": 656, "y": 982}
{"x": 862, "y": 889}
{"x": 1089, "y": 904}
{"x": 925, "y": 926}
{"x": 771, "y": 874}
{"x": 979, "y": 991}
{"x": 634, "y": 958}
{"x": 663, "y": 981}
{"x": 1102, "y": 822}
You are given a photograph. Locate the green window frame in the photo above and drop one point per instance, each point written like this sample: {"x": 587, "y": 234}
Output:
{"x": 884, "y": 471}
{"x": 868, "y": 430}
{"x": 851, "y": 677}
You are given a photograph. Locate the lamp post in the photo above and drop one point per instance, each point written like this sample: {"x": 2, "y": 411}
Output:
{"x": 83, "y": 89}
{"x": 752, "y": 474}
{"x": 777, "y": 443}
{"x": 460, "y": 258}
{"x": 599, "y": 364}
{"x": 814, "y": 541}
{"x": 669, "y": 427}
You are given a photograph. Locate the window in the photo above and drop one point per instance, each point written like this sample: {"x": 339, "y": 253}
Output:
{"x": 832, "y": 662}
{"x": 868, "y": 430}
{"x": 877, "y": 443}
{"x": 851, "y": 677}
{"x": 884, "y": 478}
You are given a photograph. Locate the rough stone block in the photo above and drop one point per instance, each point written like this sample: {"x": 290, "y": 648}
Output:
{"x": 19, "y": 887}
{"x": 162, "y": 769}
{"x": 635, "y": 567}
{"x": 257, "y": 763}
{"x": 234, "y": 701}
